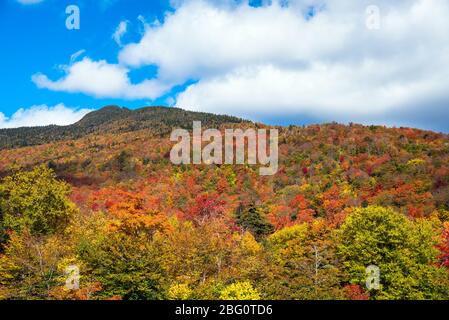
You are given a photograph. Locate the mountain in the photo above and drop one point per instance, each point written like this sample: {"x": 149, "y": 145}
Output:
{"x": 112, "y": 119}
{"x": 345, "y": 197}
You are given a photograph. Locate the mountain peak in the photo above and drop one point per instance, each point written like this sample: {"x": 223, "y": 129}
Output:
{"x": 103, "y": 115}
{"x": 113, "y": 119}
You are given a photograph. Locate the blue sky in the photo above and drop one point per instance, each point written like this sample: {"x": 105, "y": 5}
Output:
{"x": 36, "y": 39}
{"x": 280, "y": 62}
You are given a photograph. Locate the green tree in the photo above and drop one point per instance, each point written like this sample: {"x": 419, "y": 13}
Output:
{"x": 29, "y": 267}
{"x": 179, "y": 292}
{"x": 35, "y": 200}
{"x": 240, "y": 291}
{"x": 403, "y": 250}
{"x": 304, "y": 265}
{"x": 126, "y": 266}
{"x": 252, "y": 219}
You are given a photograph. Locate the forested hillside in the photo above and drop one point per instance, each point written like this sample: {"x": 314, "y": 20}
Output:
{"x": 103, "y": 195}
{"x": 111, "y": 119}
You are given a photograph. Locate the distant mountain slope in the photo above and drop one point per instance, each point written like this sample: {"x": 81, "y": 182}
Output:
{"x": 112, "y": 119}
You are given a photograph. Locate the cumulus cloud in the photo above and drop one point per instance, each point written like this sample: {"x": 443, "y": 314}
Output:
{"x": 201, "y": 39}
{"x": 101, "y": 79}
{"x": 316, "y": 58}
{"x": 330, "y": 67}
{"x": 278, "y": 60}
{"x": 121, "y": 30}
{"x": 43, "y": 115}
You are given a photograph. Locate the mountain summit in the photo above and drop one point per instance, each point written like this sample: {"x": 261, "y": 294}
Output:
{"x": 112, "y": 119}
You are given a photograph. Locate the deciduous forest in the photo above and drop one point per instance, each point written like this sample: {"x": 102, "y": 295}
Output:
{"x": 103, "y": 195}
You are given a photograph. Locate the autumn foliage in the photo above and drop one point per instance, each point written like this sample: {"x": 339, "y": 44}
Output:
{"x": 139, "y": 227}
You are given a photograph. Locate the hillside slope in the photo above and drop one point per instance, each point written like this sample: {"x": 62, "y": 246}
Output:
{"x": 344, "y": 198}
{"x": 112, "y": 119}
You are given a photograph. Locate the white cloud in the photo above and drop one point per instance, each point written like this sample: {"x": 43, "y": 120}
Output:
{"x": 202, "y": 39}
{"x": 322, "y": 92}
{"x": 331, "y": 67}
{"x": 272, "y": 60}
{"x": 276, "y": 60}
{"x": 121, "y": 30}
{"x": 101, "y": 79}
{"x": 43, "y": 115}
